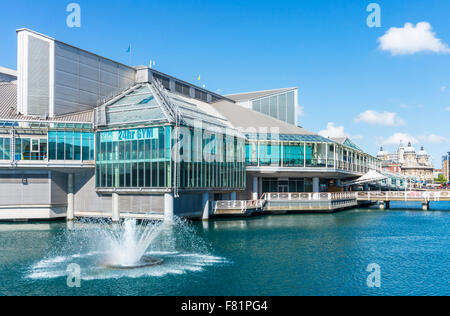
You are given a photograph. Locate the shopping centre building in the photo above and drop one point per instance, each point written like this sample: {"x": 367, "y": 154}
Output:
{"x": 82, "y": 135}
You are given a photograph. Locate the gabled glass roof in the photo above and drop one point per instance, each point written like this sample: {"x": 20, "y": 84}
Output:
{"x": 351, "y": 144}
{"x": 290, "y": 138}
{"x": 139, "y": 106}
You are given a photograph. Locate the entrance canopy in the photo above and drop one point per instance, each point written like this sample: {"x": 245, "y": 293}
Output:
{"x": 371, "y": 177}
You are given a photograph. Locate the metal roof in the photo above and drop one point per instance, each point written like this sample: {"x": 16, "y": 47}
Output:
{"x": 8, "y": 109}
{"x": 347, "y": 142}
{"x": 7, "y": 71}
{"x": 247, "y": 120}
{"x": 247, "y": 96}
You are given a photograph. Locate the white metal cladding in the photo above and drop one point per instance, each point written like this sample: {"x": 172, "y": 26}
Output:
{"x": 83, "y": 78}
{"x": 31, "y": 188}
{"x": 38, "y": 76}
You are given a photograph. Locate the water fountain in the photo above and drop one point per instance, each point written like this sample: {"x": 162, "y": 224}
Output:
{"x": 130, "y": 249}
{"x": 128, "y": 243}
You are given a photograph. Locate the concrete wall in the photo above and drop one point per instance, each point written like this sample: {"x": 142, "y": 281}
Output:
{"x": 86, "y": 199}
{"x": 189, "y": 205}
{"x": 58, "y": 188}
{"x": 24, "y": 188}
{"x": 141, "y": 203}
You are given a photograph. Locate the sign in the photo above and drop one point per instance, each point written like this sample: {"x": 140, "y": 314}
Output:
{"x": 131, "y": 134}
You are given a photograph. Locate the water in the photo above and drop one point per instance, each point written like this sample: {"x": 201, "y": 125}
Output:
{"x": 271, "y": 255}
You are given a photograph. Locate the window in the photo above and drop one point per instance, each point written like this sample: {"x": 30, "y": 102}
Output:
{"x": 147, "y": 100}
{"x": 164, "y": 80}
{"x": 182, "y": 88}
{"x": 69, "y": 146}
{"x": 201, "y": 95}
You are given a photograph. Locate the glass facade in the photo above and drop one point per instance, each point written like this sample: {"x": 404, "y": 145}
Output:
{"x": 27, "y": 148}
{"x": 307, "y": 154}
{"x": 292, "y": 185}
{"x": 5, "y": 148}
{"x": 138, "y": 158}
{"x": 142, "y": 158}
{"x": 281, "y": 106}
{"x": 70, "y": 145}
{"x": 212, "y": 161}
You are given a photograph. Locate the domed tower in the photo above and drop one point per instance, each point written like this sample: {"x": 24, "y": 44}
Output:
{"x": 401, "y": 153}
{"x": 382, "y": 155}
{"x": 422, "y": 157}
{"x": 410, "y": 156}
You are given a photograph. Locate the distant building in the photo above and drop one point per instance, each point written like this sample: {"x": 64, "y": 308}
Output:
{"x": 446, "y": 166}
{"x": 409, "y": 163}
{"x": 437, "y": 173}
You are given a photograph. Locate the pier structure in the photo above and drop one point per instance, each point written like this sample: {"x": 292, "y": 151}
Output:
{"x": 282, "y": 203}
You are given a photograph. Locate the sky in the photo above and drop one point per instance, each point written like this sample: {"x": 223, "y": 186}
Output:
{"x": 377, "y": 85}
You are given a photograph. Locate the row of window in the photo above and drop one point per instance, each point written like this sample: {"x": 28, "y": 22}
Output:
{"x": 142, "y": 158}
{"x": 70, "y": 146}
{"x": 288, "y": 186}
{"x": 133, "y": 175}
{"x": 31, "y": 148}
{"x": 299, "y": 155}
{"x": 5, "y": 148}
{"x": 281, "y": 107}
{"x": 184, "y": 89}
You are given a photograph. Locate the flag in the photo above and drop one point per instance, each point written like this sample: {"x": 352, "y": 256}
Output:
{"x": 199, "y": 78}
{"x": 129, "y": 49}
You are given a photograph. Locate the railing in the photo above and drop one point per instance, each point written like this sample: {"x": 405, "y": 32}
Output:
{"x": 309, "y": 196}
{"x": 427, "y": 196}
{"x": 243, "y": 206}
{"x": 314, "y": 163}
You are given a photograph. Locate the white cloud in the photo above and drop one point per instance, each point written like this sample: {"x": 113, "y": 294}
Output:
{"x": 448, "y": 109}
{"x": 337, "y": 131}
{"x": 333, "y": 131}
{"x": 404, "y": 106}
{"x": 301, "y": 111}
{"x": 412, "y": 39}
{"x": 434, "y": 139}
{"x": 397, "y": 138}
{"x": 375, "y": 118}
{"x": 443, "y": 88}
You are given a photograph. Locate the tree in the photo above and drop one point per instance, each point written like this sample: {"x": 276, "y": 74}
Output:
{"x": 441, "y": 179}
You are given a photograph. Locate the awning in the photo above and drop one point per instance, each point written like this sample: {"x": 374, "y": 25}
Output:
{"x": 371, "y": 177}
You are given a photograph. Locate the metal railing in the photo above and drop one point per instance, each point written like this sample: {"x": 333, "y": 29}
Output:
{"x": 315, "y": 163}
{"x": 427, "y": 196}
{"x": 309, "y": 196}
{"x": 241, "y": 205}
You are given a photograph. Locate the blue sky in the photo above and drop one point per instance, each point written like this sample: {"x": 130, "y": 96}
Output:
{"x": 350, "y": 81}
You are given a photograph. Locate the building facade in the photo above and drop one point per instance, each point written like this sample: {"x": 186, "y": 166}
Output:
{"x": 415, "y": 166}
{"x": 446, "y": 166}
{"x": 82, "y": 135}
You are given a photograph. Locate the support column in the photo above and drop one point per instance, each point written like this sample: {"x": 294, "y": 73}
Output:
{"x": 366, "y": 187}
{"x": 168, "y": 207}
{"x": 339, "y": 183}
{"x": 115, "y": 208}
{"x": 255, "y": 188}
{"x": 70, "y": 198}
{"x": 425, "y": 206}
{"x": 205, "y": 206}
{"x": 385, "y": 205}
{"x": 233, "y": 196}
{"x": 316, "y": 185}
